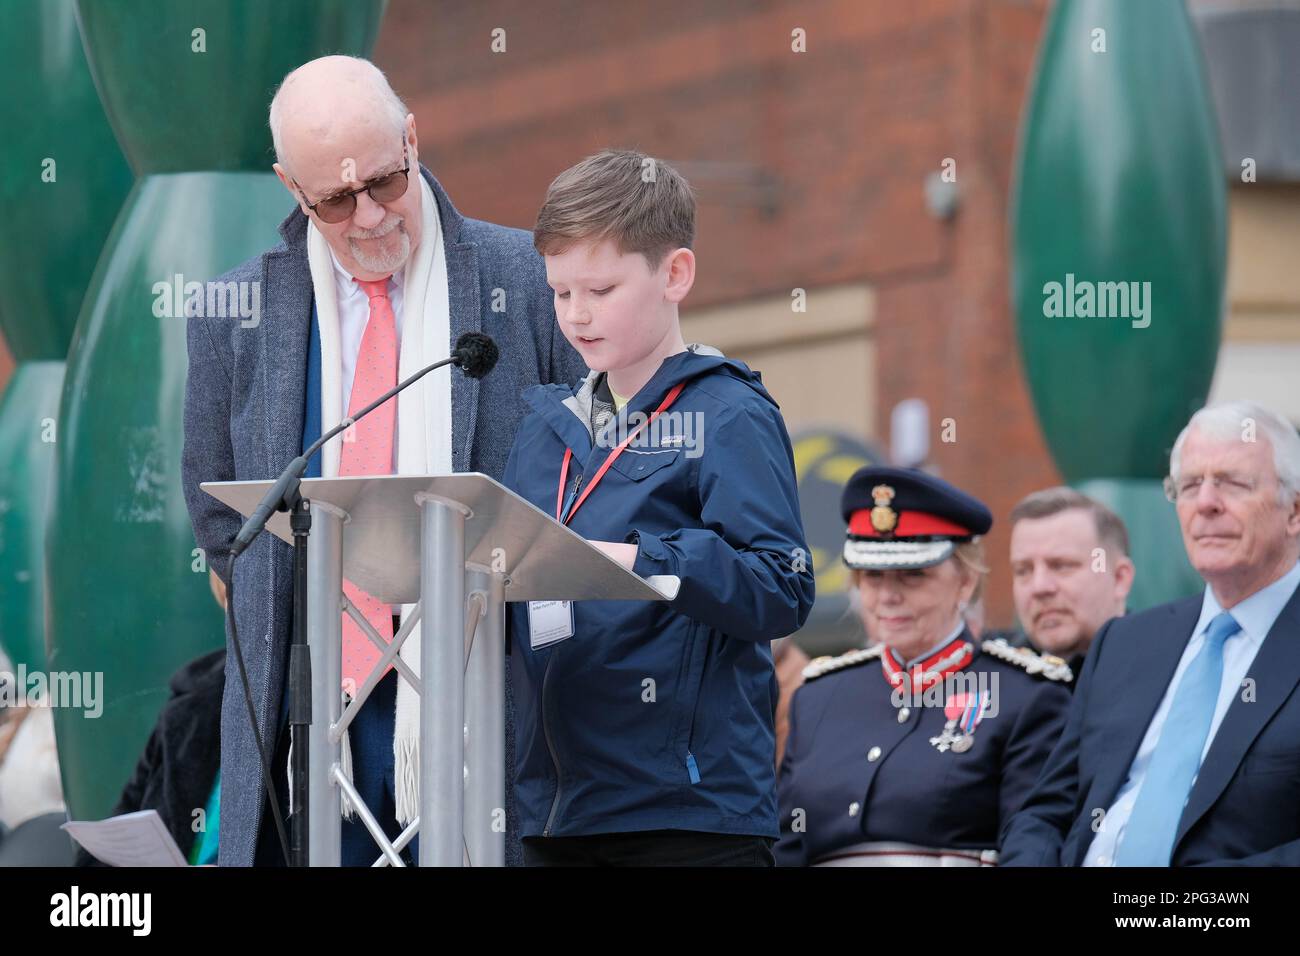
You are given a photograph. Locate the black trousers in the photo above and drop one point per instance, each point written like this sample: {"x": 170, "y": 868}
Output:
{"x": 650, "y": 848}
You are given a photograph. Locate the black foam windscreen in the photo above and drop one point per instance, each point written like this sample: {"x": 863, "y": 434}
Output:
{"x": 476, "y": 354}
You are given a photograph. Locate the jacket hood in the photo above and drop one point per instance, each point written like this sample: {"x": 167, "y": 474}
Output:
{"x": 696, "y": 361}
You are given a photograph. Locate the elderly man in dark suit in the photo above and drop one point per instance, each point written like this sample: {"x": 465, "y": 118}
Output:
{"x": 377, "y": 276}
{"x": 1180, "y": 748}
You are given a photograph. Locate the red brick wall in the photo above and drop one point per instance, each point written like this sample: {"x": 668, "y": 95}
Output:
{"x": 809, "y": 167}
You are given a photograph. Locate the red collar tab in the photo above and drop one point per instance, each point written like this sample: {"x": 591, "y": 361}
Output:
{"x": 948, "y": 659}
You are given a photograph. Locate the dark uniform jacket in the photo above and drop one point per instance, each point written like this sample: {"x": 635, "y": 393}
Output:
{"x": 859, "y": 768}
{"x": 1020, "y": 639}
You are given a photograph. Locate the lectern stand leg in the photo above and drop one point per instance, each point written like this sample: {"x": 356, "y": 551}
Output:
{"x": 442, "y": 675}
{"x": 485, "y": 720}
{"x": 325, "y": 637}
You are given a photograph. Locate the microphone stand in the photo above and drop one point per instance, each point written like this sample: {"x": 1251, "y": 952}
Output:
{"x": 476, "y": 360}
{"x": 299, "y": 681}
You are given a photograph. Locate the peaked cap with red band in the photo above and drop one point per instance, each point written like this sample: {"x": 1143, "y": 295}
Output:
{"x": 902, "y": 518}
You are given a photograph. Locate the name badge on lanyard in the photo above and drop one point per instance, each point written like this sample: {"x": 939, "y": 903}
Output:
{"x": 565, "y": 518}
{"x": 549, "y": 622}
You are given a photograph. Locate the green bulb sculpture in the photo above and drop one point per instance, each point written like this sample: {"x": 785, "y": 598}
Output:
{"x": 1119, "y": 250}
{"x": 62, "y": 182}
{"x": 29, "y": 411}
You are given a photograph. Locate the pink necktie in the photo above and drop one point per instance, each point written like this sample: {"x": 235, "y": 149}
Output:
{"x": 368, "y": 450}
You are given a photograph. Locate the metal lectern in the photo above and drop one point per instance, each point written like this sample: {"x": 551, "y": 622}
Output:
{"x": 458, "y": 546}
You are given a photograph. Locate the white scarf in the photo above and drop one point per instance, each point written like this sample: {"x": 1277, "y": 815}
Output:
{"x": 424, "y": 426}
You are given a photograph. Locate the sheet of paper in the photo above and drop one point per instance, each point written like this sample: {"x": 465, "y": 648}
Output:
{"x": 133, "y": 839}
{"x": 666, "y": 584}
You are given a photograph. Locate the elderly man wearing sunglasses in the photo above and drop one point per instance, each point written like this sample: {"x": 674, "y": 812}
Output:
{"x": 377, "y": 276}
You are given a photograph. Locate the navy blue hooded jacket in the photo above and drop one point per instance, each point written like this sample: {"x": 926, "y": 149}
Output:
{"x": 659, "y": 715}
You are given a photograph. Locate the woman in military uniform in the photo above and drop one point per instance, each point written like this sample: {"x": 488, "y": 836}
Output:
{"x": 918, "y": 749}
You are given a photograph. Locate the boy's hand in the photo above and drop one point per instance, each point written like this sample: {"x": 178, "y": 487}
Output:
{"x": 624, "y": 554}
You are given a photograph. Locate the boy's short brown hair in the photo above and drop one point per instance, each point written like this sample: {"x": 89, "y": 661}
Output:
{"x": 642, "y": 204}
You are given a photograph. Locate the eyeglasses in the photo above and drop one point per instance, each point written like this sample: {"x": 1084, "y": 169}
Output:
{"x": 1226, "y": 484}
{"x": 386, "y": 188}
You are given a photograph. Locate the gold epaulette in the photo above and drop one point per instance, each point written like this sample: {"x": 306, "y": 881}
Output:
{"x": 827, "y": 665}
{"x": 1044, "y": 665}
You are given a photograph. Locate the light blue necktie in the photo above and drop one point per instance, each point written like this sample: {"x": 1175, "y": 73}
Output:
{"x": 1149, "y": 836}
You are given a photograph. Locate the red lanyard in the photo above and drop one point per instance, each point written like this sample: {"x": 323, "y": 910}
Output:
{"x": 568, "y": 454}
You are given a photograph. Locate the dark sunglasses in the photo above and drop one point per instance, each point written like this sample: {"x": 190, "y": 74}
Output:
{"x": 384, "y": 189}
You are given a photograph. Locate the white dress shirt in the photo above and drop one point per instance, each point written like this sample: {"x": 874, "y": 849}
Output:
{"x": 1256, "y": 616}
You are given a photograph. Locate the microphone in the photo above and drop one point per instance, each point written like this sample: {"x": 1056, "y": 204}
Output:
{"x": 475, "y": 354}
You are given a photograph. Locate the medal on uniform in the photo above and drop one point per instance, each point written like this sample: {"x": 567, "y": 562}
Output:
{"x": 964, "y": 712}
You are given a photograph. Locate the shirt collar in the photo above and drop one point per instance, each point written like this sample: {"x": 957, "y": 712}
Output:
{"x": 1257, "y": 613}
